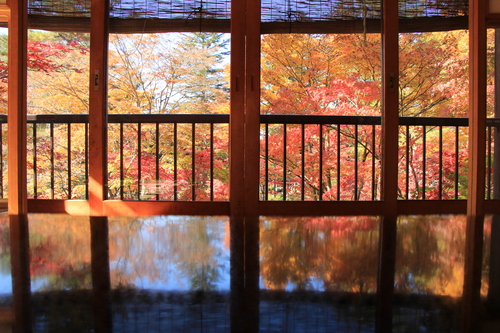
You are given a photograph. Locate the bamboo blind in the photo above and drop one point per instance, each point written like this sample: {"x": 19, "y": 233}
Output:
{"x": 276, "y": 15}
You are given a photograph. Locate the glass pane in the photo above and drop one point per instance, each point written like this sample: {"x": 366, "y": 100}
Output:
{"x": 162, "y": 155}
{"x": 58, "y": 72}
{"x": 58, "y": 80}
{"x": 433, "y": 104}
{"x": 309, "y": 156}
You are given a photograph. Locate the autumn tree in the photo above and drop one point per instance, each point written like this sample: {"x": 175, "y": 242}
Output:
{"x": 318, "y": 75}
{"x": 340, "y": 75}
{"x": 168, "y": 74}
{"x": 205, "y": 87}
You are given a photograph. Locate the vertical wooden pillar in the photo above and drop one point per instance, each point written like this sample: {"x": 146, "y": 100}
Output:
{"x": 237, "y": 165}
{"x": 17, "y": 107}
{"x": 98, "y": 90}
{"x": 252, "y": 107}
{"x": 390, "y": 133}
{"x": 477, "y": 152}
{"x": 244, "y": 171}
{"x": 101, "y": 284}
{"x": 252, "y": 163}
{"x": 237, "y": 116}
{"x": 17, "y": 202}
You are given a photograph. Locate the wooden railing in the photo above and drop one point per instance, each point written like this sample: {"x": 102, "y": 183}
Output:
{"x": 303, "y": 158}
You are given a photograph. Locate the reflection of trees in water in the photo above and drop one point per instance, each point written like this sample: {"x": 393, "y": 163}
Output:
{"x": 341, "y": 254}
{"x": 167, "y": 250}
{"x": 60, "y": 251}
{"x": 174, "y": 250}
{"x": 430, "y": 255}
{"x": 4, "y": 244}
{"x": 334, "y": 254}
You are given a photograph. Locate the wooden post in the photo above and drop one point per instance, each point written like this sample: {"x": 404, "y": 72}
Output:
{"x": 244, "y": 163}
{"x": 390, "y": 133}
{"x": 17, "y": 202}
{"x": 252, "y": 164}
{"x": 252, "y": 108}
{"x": 237, "y": 117}
{"x": 17, "y": 108}
{"x": 477, "y": 152}
{"x": 98, "y": 90}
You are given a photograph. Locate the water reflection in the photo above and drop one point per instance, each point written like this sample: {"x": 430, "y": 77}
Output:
{"x": 166, "y": 253}
{"x": 59, "y": 252}
{"x": 170, "y": 253}
{"x": 323, "y": 254}
{"x": 174, "y": 273}
{"x": 430, "y": 255}
{"x": 5, "y": 271}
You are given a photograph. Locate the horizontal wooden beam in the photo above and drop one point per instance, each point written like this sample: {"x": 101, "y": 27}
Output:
{"x": 154, "y": 25}
{"x": 266, "y": 208}
{"x": 492, "y": 206}
{"x": 320, "y": 208}
{"x": 145, "y": 208}
{"x": 71, "y": 207}
{"x": 431, "y": 207}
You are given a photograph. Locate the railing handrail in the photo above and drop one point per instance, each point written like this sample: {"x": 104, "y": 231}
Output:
{"x": 264, "y": 119}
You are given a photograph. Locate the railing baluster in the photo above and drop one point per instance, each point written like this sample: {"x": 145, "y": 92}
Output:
{"x": 52, "y": 180}
{"x": 69, "y": 160}
{"x": 284, "y": 161}
{"x": 457, "y": 151}
{"x": 157, "y": 162}
{"x": 303, "y": 166}
{"x": 35, "y": 173}
{"x": 373, "y": 162}
{"x": 356, "y": 178}
{"x": 320, "y": 162}
{"x": 407, "y": 166}
{"x": 193, "y": 165}
{"x": 266, "y": 175}
{"x": 338, "y": 161}
{"x": 175, "y": 161}
{"x": 139, "y": 160}
{"x": 424, "y": 156}
{"x": 490, "y": 164}
{"x": 211, "y": 162}
{"x": 440, "y": 184}
{"x": 122, "y": 175}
